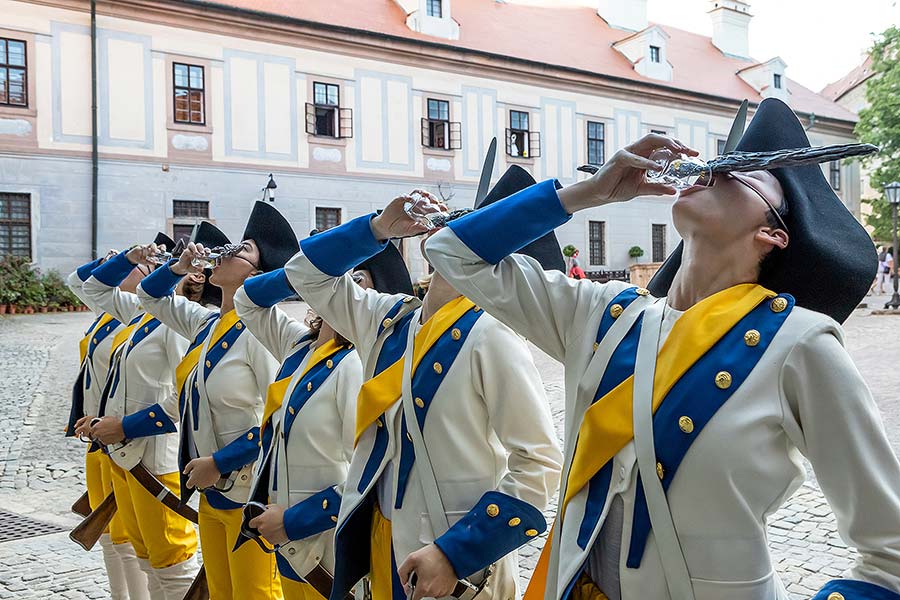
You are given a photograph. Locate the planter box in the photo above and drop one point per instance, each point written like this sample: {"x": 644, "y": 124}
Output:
{"x": 642, "y": 273}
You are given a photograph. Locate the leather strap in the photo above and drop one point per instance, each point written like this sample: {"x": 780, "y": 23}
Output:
{"x": 159, "y": 491}
{"x": 678, "y": 578}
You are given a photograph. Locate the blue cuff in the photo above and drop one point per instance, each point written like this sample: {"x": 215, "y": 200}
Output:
{"x": 269, "y": 288}
{"x": 337, "y": 250}
{"x": 242, "y": 451}
{"x": 113, "y": 271}
{"x": 147, "y": 422}
{"x": 84, "y": 271}
{"x": 855, "y": 590}
{"x": 495, "y": 527}
{"x": 314, "y": 515}
{"x": 503, "y": 228}
{"x": 161, "y": 282}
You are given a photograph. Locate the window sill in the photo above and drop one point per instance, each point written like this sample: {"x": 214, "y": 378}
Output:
{"x": 326, "y": 140}
{"x": 519, "y": 160}
{"x": 188, "y": 128}
{"x": 17, "y": 111}
{"x": 428, "y": 150}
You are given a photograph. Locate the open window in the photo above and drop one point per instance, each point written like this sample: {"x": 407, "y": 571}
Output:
{"x": 438, "y": 131}
{"x": 520, "y": 140}
{"x": 324, "y": 115}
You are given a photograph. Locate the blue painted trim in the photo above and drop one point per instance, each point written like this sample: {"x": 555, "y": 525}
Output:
{"x": 56, "y": 30}
{"x": 622, "y": 119}
{"x": 241, "y": 451}
{"x": 623, "y": 299}
{"x": 84, "y": 273}
{"x": 479, "y": 145}
{"x": 261, "y": 60}
{"x": 141, "y": 424}
{"x": 103, "y": 38}
{"x": 268, "y": 289}
{"x": 106, "y": 331}
{"x": 336, "y": 251}
{"x": 478, "y": 539}
{"x": 161, "y": 282}
{"x": 853, "y": 589}
{"x": 390, "y": 315}
{"x": 565, "y": 170}
{"x": 502, "y": 228}
{"x": 729, "y": 354}
{"x": 385, "y": 162}
{"x": 216, "y": 353}
{"x": 394, "y": 345}
{"x": 425, "y": 384}
{"x": 114, "y": 271}
{"x": 313, "y": 515}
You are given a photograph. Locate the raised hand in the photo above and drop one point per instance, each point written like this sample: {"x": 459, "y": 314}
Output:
{"x": 143, "y": 255}
{"x": 185, "y": 261}
{"x": 394, "y": 222}
{"x": 622, "y": 177}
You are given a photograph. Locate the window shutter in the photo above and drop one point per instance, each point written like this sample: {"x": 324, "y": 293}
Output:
{"x": 345, "y": 122}
{"x": 509, "y": 151}
{"x": 455, "y": 135}
{"x": 426, "y": 133}
{"x": 534, "y": 144}
{"x": 310, "y": 118}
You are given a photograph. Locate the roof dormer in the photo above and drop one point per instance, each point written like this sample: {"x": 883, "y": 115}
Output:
{"x": 646, "y": 50}
{"x": 431, "y": 17}
{"x": 767, "y": 78}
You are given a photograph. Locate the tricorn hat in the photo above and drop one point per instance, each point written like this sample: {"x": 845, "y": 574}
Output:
{"x": 544, "y": 249}
{"x": 388, "y": 271}
{"x": 272, "y": 234}
{"x": 211, "y": 237}
{"x": 822, "y": 230}
{"x": 162, "y": 239}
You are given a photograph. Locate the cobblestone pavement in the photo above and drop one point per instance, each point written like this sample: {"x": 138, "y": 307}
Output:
{"x": 41, "y": 473}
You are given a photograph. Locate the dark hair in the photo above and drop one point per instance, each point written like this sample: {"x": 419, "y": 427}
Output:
{"x": 316, "y": 327}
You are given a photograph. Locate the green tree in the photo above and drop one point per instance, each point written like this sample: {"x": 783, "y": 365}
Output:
{"x": 879, "y": 124}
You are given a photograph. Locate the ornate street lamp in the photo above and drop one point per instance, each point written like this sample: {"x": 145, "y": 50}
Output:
{"x": 892, "y": 191}
{"x": 269, "y": 190}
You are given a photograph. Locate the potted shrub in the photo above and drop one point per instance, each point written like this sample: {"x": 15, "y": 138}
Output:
{"x": 635, "y": 252}
{"x": 55, "y": 290}
{"x": 16, "y": 273}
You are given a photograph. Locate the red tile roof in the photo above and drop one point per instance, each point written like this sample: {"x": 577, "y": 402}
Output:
{"x": 563, "y": 34}
{"x": 834, "y": 91}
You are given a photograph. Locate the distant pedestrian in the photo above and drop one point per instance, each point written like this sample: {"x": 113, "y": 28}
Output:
{"x": 887, "y": 270}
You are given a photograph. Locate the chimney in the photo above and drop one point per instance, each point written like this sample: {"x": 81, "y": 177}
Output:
{"x": 630, "y": 15}
{"x": 731, "y": 21}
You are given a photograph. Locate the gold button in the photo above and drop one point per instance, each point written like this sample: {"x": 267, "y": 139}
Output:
{"x": 615, "y": 310}
{"x": 660, "y": 472}
{"x": 146, "y": 330}
{"x": 596, "y": 345}
{"x": 239, "y": 325}
{"x": 779, "y": 304}
{"x": 408, "y": 436}
{"x": 456, "y": 334}
{"x": 259, "y": 444}
{"x": 196, "y": 384}
{"x": 333, "y": 519}
{"x": 152, "y": 414}
{"x": 686, "y": 424}
{"x": 379, "y": 423}
{"x": 159, "y": 423}
{"x": 642, "y": 291}
{"x": 407, "y": 300}
{"x": 723, "y": 380}
{"x": 531, "y": 532}
{"x": 291, "y": 409}
{"x": 514, "y": 521}
{"x": 325, "y": 504}
{"x": 250, "y": 436}
{"x": 107, "y": 328}
{"x": 329, "y": 363}
{"x": 131, "y": 344}
{"x": 95, "y": 340}
{"x": 492, "y": 510}
{"x": 387, "y": 322}
{"x": 835, "y": 596}
{"x": 309, "y": 386}
{"x": 751, "y": 338}
{"x": 225, "y": 345}
{"x": 208, "y": 364}
{"x": 420, "y": 403}
{"x": 477, "y": 309}
{"x": 438, "y": 368}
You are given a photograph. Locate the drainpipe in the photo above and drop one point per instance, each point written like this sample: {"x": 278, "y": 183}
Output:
{"x": 95, "y": 169}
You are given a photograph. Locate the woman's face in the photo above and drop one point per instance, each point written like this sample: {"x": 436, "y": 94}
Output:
{"x": 233, "y": 270}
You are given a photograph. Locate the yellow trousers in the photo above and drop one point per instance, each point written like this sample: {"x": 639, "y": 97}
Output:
{"x": 98, "y": 476}
{"x": 381, "y": 569}
{"x": 586, "y": 589}
{"x": 247, "y": 573}
{"x": 157, "y": 533}
{"x": 294, "y": 590}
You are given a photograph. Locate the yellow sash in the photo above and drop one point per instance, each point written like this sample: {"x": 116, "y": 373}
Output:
{"x": 85, "y": 343}
{"x": 608, "y": 425}
{"x": 123, "y": 335}
{"x": 190, "y": 360}
{"x": 276, "y": 391}
{"x": 380, "y": 392}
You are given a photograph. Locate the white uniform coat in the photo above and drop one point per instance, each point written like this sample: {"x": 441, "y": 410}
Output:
{"x": 316, "y": 457}
{"x": 488, "y": 429}
{"x": 146, "y": 375}
{"x": 803, "y": 398}
{"x": 232, "y": 396}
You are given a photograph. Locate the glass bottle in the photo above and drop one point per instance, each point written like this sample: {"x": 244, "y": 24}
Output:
{"x": 679, "y": 171}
